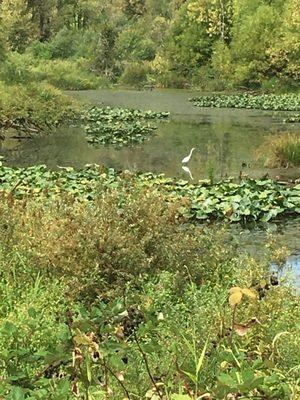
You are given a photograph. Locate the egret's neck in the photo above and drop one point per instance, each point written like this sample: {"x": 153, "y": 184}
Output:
{"x": 191, "y": 152}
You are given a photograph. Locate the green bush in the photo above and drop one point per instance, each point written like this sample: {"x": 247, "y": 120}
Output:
{"x": 16, "y": 69}
{"x": 120, "y": 293}
{"x": 65, "y": 74}
{"x": 135, "y": 74}
{"x": 171, "y": 79}
{"x": 132, "y": 46}
{"x": 38, "y": 106}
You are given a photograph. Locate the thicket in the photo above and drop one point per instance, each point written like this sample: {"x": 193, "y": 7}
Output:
{"x": 115, "y": 299}
{"x": 280, "y": 151}
{"x": 211, "y": 44}
{"x": 34, "y": 107}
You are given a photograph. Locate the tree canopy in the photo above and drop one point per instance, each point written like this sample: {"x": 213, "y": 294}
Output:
{"x": 235, "y": 43}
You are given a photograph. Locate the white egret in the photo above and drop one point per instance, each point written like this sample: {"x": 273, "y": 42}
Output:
{"x": 187, "y": 158}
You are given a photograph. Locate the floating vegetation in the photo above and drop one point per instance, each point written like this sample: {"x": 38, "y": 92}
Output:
{"x": 293, "y": 119}
{"x": 279, "y": 102}
{"x": 119, "y": 126}
{"x": 249, "y": 200}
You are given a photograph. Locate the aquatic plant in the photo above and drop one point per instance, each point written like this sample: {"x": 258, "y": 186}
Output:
{"x": 280, "y": 102}
{"x": 119, "y": 126}
{"x": 281, "y": 151}
{"x": 292, "y": 119}
{"x": 245, "y": 201}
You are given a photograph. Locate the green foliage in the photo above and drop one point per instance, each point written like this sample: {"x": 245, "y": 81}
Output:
{"x": 63, "y": 45}
{"x": 189, "y": 45}
{"x": 246, "y": 201}
{"x": 187, "y": 38}
{"x": 135, "y": 75}
{"x": 16, "y": 24}
{"x": 119, "y": 126}
{"x": 154, "y": 339}
{"x": 133, "y": 46}
{"x": 35, "y": 107}
{"x": 104, "y": 51}
{"x": 284, "y": 102}
{"x": 64, "y": 74}
{"x": 133, "y": 8}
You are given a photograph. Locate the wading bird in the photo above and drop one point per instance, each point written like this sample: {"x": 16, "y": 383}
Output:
{"x": 187, "y": 158}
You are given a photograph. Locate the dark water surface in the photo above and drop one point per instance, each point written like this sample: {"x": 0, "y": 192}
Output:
{"x": 226, "y": 142}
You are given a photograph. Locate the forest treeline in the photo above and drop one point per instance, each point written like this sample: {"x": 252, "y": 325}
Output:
{"x": 216, "y": 44}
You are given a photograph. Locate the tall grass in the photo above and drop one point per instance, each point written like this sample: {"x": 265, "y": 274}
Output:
{"x": 281, "y": 151}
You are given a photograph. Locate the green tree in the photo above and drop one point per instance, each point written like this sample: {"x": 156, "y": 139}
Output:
{"x": 15, "y": 23}
{"x": 215, "y": 14}
{"x": 104, "y": 50}
{"x": 189, "y": 45}
{"x": 44, "y": 13}
{"x": 133, "y": 45}
{"x": 134, "y": 8}
{"x": 253, "y": 32}
{"x": 284, "y": 52}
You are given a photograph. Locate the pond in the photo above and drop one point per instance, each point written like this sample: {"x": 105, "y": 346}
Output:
{"x": 226, "y": 142}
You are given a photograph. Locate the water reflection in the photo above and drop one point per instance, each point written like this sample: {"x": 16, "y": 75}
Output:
{"x": 286, "y": 233}
{"x": 225, "y": 139}
{"x": 186, "y": 169}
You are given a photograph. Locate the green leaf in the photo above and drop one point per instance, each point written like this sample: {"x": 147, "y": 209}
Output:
{"x": 201, "y": 358}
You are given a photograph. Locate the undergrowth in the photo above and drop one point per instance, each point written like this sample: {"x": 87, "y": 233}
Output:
{"x": 115, "y": 299}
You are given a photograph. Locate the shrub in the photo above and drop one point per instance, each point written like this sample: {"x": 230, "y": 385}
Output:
{"x": 65, "y": 74}
{"x": 135, "y": 74}
{"x": 171, "y": 79}
{"x": 132, "y": 46}
{"x": 15, "y": 69}
{"x": 38, "y": 106}
{"x": 120, "y": 290}
{"x": 127, "y": 235}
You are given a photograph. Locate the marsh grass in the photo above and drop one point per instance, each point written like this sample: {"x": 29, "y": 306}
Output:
{"x": 281, "y": 151}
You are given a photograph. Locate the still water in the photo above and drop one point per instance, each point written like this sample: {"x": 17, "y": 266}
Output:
{"x": 226, "y": 142}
